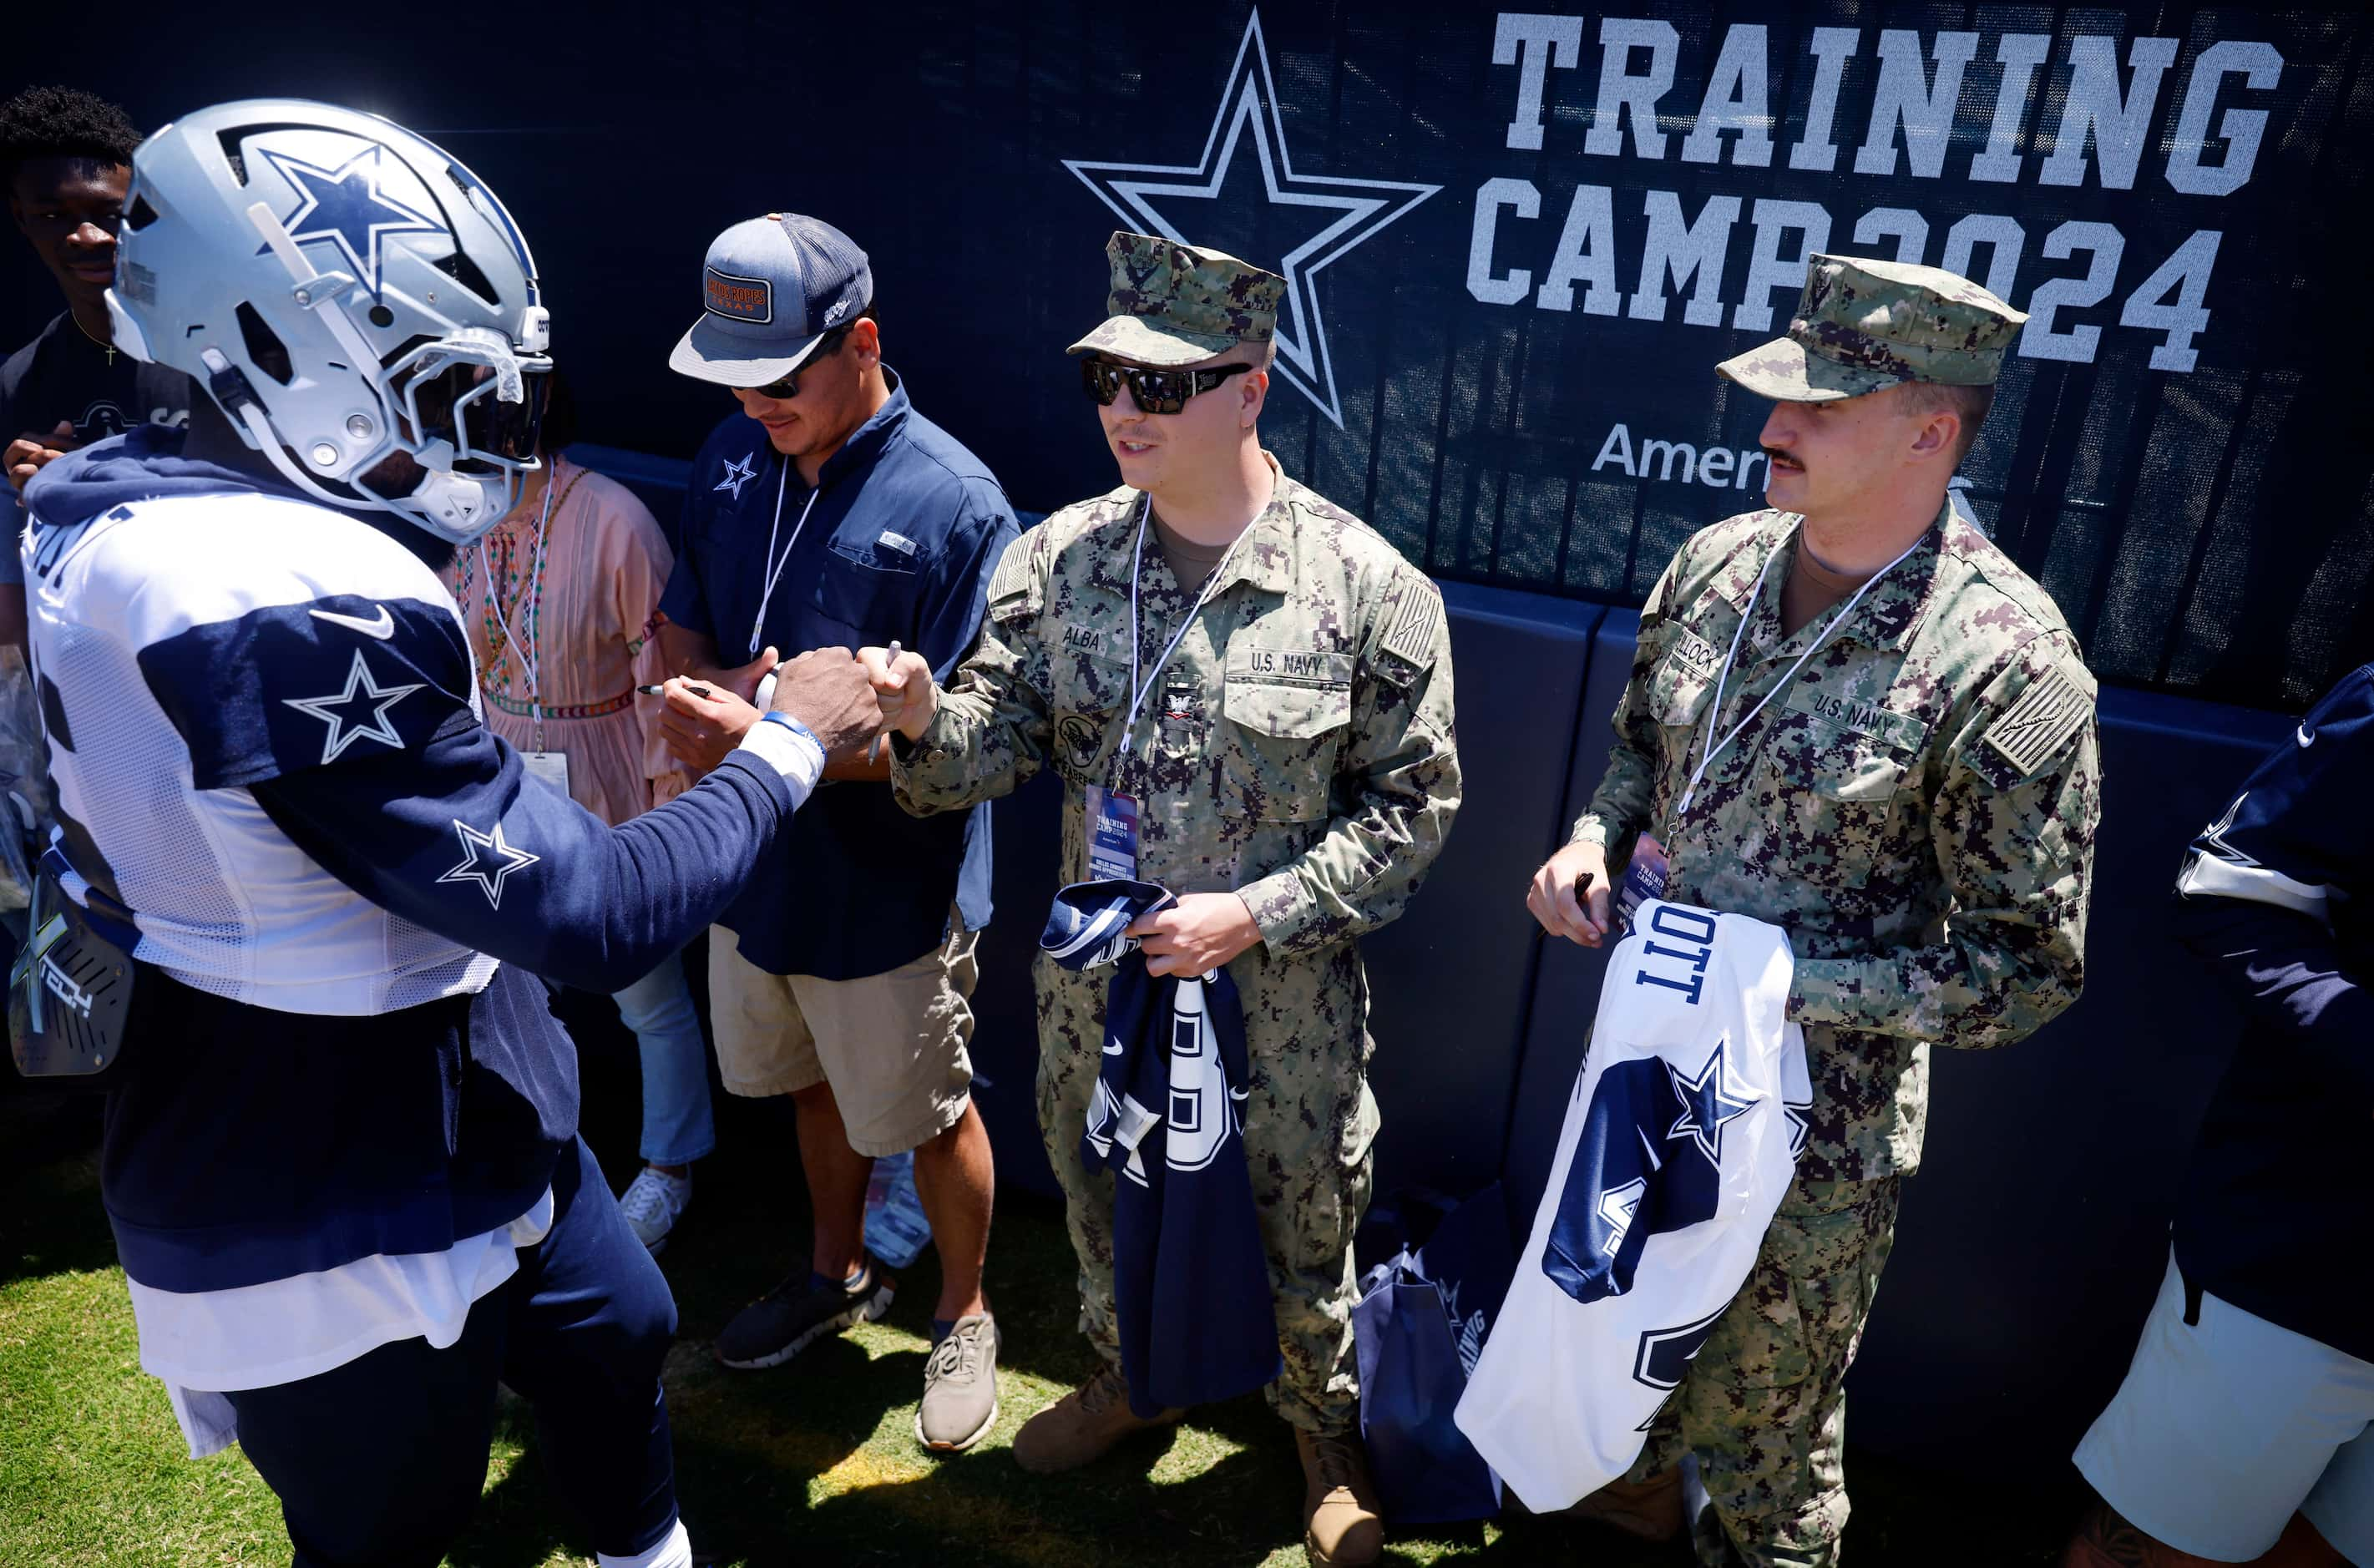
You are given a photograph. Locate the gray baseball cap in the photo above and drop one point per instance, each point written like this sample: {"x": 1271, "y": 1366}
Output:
{"x": 770, "y": 289}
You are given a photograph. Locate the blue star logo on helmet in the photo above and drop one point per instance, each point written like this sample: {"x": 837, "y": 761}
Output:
{"x": 347, "y": 207}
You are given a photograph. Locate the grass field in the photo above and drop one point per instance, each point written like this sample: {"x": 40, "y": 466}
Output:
{"x": 813, "y": 1463}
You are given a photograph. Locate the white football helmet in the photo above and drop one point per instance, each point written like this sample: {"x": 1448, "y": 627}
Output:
{"x": 345, "y": 291}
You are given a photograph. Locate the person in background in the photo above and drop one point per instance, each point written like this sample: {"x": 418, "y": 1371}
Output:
{"x": 66, "y": 157}
{"x": 560, "y": 599}
{"x": 2244, "y": 1431}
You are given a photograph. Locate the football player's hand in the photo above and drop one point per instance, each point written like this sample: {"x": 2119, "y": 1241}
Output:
{"x": 28, "y": 454}
{"x": 827, "y": 689}
{"x": 1550, "y": 898}
{"x": 700, "y": 730}
{"x": 1196, "y": 934}
{"x": 905, "y": 688}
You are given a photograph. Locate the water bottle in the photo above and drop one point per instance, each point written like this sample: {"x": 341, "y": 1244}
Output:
{"x": 896, "y": 1230}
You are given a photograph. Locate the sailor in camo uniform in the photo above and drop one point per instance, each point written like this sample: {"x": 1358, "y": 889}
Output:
{"x": 1296, "y": 749}
{"x": 1904, "y": 777}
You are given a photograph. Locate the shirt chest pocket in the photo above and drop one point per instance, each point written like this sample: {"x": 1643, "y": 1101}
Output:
{"x": 1280, "y": 742}
{"x": 1679, "y": 691}
{"x": 1855, "y": 795}
{"x": 869, "y": 590}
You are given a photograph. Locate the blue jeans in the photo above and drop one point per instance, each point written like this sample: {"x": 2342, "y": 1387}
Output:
{"x": 658, "y": 1008}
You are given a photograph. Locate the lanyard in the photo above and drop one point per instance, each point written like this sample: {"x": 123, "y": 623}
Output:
{"x": 1136, "y": 566}
{"x": 775, "y": 564}
{"x": 1711, "y": 748}
{"x": 535, "y": 601}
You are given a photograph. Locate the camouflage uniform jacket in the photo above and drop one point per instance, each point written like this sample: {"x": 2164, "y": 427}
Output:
{"x": 1917, "y": 810}
{"x": 1297, "y": 749}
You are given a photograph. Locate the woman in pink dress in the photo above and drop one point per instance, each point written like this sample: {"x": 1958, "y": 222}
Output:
{"x": 560, "y": 598}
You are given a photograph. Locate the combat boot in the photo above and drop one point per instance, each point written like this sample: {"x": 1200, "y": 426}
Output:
{"x": 1340, "y": 1527}
{"x": 1650, "y": 1509}
{"x": 1082, "y": 1425}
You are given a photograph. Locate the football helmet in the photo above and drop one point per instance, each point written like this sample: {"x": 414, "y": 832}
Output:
{"x": 347, "y": 293}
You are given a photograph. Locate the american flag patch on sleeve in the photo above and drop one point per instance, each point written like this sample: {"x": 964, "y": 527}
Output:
{"x": 1410, "y": 637}
{"x": 2032, "y": 730}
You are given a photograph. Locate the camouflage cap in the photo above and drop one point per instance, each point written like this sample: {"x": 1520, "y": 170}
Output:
{"x": 1865, "y": 324}
{"x": 1174, "y": 304}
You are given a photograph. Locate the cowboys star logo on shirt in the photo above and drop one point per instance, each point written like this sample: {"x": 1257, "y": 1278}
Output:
{"x": 738, "y": 473}
{"x": 341, "y": 710}
{"x": 487, "y": 861}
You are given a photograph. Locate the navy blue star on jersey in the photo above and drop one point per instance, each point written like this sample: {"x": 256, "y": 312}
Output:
{"x": 1706, "y": 1105}
{"x": 1629, "y": 1182}
{"x": 360, "y": 696}
{"x": 487, "y": 860}
{"x": 347, "y": 207}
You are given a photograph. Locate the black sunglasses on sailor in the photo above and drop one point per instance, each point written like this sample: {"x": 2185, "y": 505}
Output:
{"x": 789, "y": 387}
{"x": 1156, "y": 392}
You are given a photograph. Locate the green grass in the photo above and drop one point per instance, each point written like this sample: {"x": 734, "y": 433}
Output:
{"x": 812, "y": 1463}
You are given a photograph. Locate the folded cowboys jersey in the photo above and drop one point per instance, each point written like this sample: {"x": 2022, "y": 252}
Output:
{"x": 1681, "y": 1137}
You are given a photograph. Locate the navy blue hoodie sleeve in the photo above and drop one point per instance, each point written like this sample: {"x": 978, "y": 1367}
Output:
{"x": 457, "y": 837}
{"x": 2269, "y": 887}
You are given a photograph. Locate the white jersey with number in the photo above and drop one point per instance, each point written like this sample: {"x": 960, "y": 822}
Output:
{"x": 1681, "y": 1137}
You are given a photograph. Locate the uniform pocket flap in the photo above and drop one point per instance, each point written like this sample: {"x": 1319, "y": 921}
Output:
{"x": 1288, "y": 711}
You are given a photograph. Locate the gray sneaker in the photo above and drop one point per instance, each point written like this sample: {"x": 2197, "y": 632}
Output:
{"x": 959, "y": 1387}
{"x": 788, "y": 1318}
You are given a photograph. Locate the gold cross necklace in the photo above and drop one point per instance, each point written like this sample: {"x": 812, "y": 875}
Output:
{"x": 86, "y": 331}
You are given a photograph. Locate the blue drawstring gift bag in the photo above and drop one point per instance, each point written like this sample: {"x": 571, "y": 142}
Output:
{"x": 1420, "y": 1323}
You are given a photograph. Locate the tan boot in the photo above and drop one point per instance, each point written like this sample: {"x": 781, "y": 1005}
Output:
{"x": 1340, "y": 1526}
{"x": 1082, "y": 1425}
{"x": 1650, "y": 1509}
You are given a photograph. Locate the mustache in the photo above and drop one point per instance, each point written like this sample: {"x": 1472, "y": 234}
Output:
{"x": 1774, "y": 454}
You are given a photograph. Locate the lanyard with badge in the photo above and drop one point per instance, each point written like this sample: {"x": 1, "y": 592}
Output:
{"x": 1112, "y": 816}
{"x": 550, "y": 767}
{"x": 1645, "y": 875}
{"x": 775, "y": 564}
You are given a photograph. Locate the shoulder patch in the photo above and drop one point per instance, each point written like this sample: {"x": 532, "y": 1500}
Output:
{"x": 2032, "y": 730}
{"x": 1014, "y": 587}
{"x": 1408, "y": 645}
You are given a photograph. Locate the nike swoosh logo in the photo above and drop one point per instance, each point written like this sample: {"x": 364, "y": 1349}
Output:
{"x": 2306, "y": 736}
{"x": 382, "y": 628}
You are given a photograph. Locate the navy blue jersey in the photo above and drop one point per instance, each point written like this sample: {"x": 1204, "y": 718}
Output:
{"x": 1190, "y": 1283}
{"x": 2273, "y": 1214}
{"x": 271, "y": 778}
{"x": 896, "y": 542}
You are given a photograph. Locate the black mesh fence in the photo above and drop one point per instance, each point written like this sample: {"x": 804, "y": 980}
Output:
{"x": 1518, "y": 244}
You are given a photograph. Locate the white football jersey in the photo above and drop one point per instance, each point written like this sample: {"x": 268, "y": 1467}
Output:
{"x": 1681, "y": 1137}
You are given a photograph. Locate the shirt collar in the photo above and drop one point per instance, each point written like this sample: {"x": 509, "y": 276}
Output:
{"x": 868, "y": 442}
{"x": 1264, "y": 555}
{"x": 1886, "y": 615}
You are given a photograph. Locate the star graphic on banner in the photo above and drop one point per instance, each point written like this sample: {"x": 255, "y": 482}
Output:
{"x": 738, "y": 474}
{"x": 346, "y": 206}
{"x": 337, "y": 710}
{"x": 1143, "y": 195}
{"x": 1800, "y": 1124}
{"x": 1707, "y": 1105}
{"x": 487, "y": 861}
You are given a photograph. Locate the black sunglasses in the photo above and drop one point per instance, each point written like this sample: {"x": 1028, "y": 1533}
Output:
{"x": 789, "y": 386}
{"x": 1156, "y": 392}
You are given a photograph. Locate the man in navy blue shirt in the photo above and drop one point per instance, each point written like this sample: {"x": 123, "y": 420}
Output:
{"x": 2244, "y": 1428}
{"x": 829, "y": 512}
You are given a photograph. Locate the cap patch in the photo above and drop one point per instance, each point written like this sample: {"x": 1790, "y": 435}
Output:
{"x": 738, "y": 299}
{"x": 2032, "y": 730}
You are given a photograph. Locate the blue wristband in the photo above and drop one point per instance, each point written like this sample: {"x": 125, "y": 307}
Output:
{"x": 793, "y": 725}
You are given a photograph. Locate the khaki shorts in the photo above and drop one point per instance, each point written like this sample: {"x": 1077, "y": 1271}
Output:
{"x": 892, "y": 1046}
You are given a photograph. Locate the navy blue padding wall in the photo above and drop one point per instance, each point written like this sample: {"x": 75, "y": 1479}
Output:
{"x": 2035, "y": 1234}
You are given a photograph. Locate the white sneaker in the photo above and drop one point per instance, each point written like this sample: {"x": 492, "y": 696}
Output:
{"x": 653, "y": 1204}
